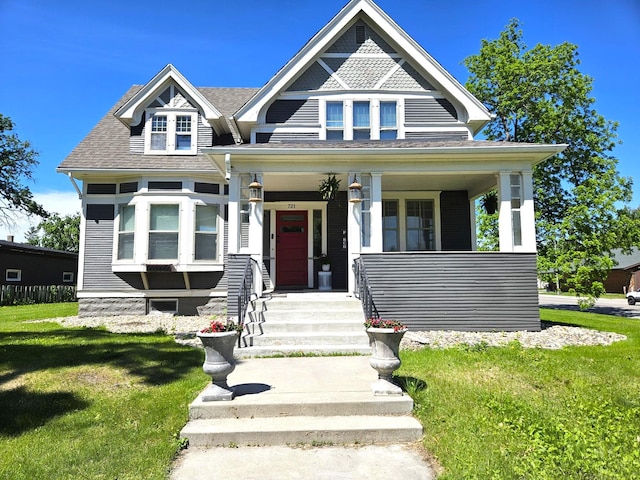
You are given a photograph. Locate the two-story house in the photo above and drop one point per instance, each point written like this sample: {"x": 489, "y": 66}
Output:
{"x": 182, "y": 185}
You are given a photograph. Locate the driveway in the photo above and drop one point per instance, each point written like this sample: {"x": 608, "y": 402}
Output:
{"x": 606, "y": 306}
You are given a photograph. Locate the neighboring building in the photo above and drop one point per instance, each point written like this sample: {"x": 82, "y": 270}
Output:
{"x": 23, "y": 264}
{"x": 169, "y": 220}
{"x": 625, "y": 276}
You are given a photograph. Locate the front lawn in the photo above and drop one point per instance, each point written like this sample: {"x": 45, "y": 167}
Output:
{"x": 85, "y": 403}
{"x": 514, "y": 413}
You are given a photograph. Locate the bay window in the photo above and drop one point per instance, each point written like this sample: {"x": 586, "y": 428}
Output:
{"x": 164, "y": 222}
{"x": 206, "y": 232}
{"x": 126, "y": 235}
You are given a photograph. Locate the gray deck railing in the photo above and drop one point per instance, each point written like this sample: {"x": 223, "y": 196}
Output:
{"x": 363, "y": 290}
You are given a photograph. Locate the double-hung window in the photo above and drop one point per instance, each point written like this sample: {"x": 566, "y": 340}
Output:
{"x": 164, "y": 221}
{"x": 206, "y": 232}
{"x": 126, "y": 235}
{"x": 420, "y": 225}
{"x": 335, "y": 121}
{"x": 361, "y": 121}
{"x": 171, "y": 132}
{"x": 388, "y": 121}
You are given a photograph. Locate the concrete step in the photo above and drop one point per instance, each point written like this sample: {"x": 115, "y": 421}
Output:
{"x": 308, "y": 430}
{"x": 308, "y": 325}
{"x": 301, "y": 315}
{"x": 309, "y": 338}
{"x": 328, "y": 404}
{"x": 293, "y": 350}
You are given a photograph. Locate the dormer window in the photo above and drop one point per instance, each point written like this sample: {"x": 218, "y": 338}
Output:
{"x": 171, "y": 132}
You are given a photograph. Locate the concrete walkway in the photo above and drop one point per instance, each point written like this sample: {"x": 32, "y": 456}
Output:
{"x": 306, "y": 378}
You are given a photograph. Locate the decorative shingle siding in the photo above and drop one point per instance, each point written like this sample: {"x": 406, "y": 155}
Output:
{"x": 373, "y": 43}
{"x": 407, "y": 78}
{"x": 286, "y": 137}
{"x": 495, "y": 291}
{"x": 293, "y": 112}
{"x": 424, "y": 111}
{"x": 361, "y": 73}
{"x": 315, "y": 77}
{"x": 455, "y": 220}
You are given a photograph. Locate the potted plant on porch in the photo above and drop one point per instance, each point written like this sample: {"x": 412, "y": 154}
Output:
{"x": 325, "y": 262}
{"x": 384, "y": 339}
{"x": 219, "y": 340}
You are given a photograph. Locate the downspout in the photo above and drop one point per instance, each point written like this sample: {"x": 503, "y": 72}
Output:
{"x": 75, "y": 185}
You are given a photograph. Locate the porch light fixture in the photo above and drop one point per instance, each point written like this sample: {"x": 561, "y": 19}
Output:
{"x": 255, "y": 190}
{"x": 355, "y": 191}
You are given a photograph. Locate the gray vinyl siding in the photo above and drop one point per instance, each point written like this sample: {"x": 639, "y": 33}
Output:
{"x": 437, "y": 136}
{"x": 425, "y": 111}
{"x": 205, "y": 134}
{"x": 286, "y": 137}
{"x": 234, "y": 271}
{"x": 455, "y": 221}
{"x": 470, "y": 291}
{"x": 294, "y": 112}
{"x": 98, "y": 250}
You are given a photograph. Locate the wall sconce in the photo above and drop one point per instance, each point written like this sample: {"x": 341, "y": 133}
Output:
{"x": 255, "y": 190}
{"x": 355, "y": 191}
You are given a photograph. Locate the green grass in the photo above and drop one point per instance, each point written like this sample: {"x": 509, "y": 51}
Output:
{"x": 620, "y": 296}
{"x": 514, "y": 413}
{"x": 85, "y": 403}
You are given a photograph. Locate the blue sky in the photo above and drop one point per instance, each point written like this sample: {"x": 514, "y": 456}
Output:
{"x": 66, "y": 62}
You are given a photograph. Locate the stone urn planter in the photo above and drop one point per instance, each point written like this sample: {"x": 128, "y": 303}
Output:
{"x": 384, "y": 339}
{"x": 219, "y": 361}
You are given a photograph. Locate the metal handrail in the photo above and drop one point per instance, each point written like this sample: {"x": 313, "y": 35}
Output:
{"x": 246, "y": 293}
{"x": 363, "y": 289}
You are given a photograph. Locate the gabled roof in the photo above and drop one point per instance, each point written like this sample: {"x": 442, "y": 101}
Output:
{"x": 106, "y": 147}
{"x": 478, "y": 115}
{"x": 131, "y": 111}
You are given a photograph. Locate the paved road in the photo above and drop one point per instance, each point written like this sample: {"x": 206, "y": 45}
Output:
{"x": 606, "y": 306}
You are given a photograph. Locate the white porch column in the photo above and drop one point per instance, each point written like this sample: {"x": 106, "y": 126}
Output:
{"x": 504, "y": 218}
{"x": 256, "y": 220}
{"x": 234, "y": 214}
{"x": 527, "y": 210}
{"x": 376, "y": 213}
{"x": 353, "y": 240}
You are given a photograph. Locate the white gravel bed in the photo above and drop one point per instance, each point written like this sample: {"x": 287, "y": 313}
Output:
{"x": 184, "y": 329}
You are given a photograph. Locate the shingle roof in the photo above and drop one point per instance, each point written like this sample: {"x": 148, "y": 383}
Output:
{"x": 25, "y": 247}
{"x": 107, "y": 144}
{"x": 626, "y": 262}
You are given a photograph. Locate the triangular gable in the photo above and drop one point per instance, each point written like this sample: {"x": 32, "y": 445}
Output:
{"x": 319, "y": 65}
{"x": 158, "y": 93}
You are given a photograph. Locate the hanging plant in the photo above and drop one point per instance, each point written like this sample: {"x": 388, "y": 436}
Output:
{"x": 489, "y": 202}
{"x": 329, "y": 187}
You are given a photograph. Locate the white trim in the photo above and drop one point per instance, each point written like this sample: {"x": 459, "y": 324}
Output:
{"x": 402, "y": 198}
{"x": 69, "y": 279}
{"x": 18, "y": 273}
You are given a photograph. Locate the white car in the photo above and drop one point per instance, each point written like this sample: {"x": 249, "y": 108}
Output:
{"x": 633, "y": 297}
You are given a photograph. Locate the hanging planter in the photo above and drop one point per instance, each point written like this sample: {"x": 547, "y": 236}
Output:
{"x": 489, "y": 202}
{"x": 329, "y": 188}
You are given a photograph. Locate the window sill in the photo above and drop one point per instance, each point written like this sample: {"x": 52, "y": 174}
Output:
{"x": 179, "y": 267}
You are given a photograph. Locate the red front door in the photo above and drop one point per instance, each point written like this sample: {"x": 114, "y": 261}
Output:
{"x": 292, "y": 248}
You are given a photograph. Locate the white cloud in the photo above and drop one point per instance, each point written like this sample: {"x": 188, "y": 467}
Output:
{"x": 60, "y": 202}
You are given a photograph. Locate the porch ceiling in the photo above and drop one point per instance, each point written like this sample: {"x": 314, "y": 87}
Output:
{"x": 473, "y": 183}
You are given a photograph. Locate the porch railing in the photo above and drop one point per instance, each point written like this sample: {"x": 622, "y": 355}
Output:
{"x": 363, "y": 290}
{"x": 246, "y": 292}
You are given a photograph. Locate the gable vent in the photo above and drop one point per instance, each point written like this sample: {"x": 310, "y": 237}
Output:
{"x": 361, "y": 34}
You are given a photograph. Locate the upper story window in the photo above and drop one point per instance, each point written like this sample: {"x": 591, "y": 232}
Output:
{"x": 361, "y": 121}
{"x": 335, "y": 121}
{"x": 171, "y": 132}
{"x": 388, "y": 121}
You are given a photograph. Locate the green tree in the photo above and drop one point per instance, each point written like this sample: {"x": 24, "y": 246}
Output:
{"x": 59, "y": 233}
{"x": 17, "y": 160}
{"x": 538, "y": 95}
